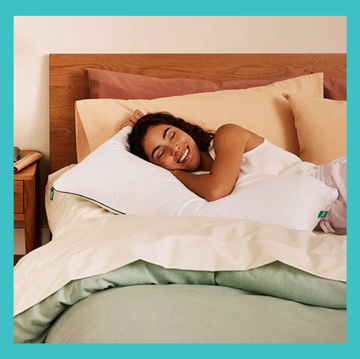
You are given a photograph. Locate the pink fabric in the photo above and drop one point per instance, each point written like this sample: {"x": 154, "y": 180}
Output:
{"x": 121, "y": 85}
{"x": 333, "y": 174}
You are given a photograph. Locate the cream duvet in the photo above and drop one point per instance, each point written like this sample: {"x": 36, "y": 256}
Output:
{"x": 90, "y": 246}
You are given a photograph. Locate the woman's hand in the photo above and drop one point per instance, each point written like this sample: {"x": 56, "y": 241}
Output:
{"x": 133, "y": 119}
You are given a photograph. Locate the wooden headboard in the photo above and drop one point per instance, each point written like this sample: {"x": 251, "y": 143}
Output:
{"x": 67, "y": 80}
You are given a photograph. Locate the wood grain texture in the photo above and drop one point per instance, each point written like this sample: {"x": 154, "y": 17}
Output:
{"x": 30, "y": 220}
{"x": 25, "y": 202}
{"x": 68, "y": 84}
{"x": 18, "y": 197}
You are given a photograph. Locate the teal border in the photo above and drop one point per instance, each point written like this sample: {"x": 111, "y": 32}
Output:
{"x": 169, "y": 8}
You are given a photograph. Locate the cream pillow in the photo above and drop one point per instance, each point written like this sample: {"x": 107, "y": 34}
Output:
{"x": 262, "y": 110}
{"x": 320, "y": 126}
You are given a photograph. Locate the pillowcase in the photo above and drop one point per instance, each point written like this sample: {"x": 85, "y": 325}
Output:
{"x": 262, "y": 110}
{"x": 120, "y": 85}
{"x": 334, "y": 88}
{"x": 123, "y": 183}
{"x": 321, "y": 128}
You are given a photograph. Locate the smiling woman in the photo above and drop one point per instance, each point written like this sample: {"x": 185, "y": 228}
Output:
{"x": 182, "y": 148}
{"x": 161, "y": 138}
{"x": 232, "y": 151}
{"x": 172, "y": 148}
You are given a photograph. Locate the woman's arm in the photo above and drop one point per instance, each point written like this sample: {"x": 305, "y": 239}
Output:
{"x": 230, "y": 142}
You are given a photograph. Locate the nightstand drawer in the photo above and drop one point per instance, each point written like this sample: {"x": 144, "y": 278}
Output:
{"x": 18, "y": 197}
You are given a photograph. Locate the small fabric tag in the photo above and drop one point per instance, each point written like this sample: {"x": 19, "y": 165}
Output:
{"x": 322, "y": 214}
{"x": 51, "y": 193}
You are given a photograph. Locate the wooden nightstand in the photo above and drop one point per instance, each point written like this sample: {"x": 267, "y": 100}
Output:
{"x": 25, "y": 202}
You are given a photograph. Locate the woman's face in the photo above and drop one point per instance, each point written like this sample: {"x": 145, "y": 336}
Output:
{"x": 171, "y": 148}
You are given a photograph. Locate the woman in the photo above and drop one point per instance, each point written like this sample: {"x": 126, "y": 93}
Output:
{"x": 184, "y": 148}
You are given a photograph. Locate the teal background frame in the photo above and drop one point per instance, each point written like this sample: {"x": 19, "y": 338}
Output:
{"x": 179, "y": 8}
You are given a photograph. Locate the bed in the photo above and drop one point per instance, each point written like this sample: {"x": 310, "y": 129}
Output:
{"x": 146, "y": 277}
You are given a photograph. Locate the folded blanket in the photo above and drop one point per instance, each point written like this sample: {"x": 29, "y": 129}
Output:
{"x": 274, "y": 279}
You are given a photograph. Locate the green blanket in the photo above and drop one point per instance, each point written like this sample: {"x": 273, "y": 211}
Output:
{"x": 275, "y": 279}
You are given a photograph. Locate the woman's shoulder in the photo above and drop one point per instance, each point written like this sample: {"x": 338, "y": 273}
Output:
{"x": 229, "y": 130}
{"x": 233, "y": 133}
{"x": 230, "y": 127}
{"x": 232, "y": 130}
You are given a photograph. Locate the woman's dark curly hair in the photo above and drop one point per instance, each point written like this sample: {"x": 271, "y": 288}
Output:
{"x": 136, "y": 137}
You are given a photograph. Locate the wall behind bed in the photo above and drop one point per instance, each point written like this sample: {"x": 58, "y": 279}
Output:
{"x": 36, "y": 37}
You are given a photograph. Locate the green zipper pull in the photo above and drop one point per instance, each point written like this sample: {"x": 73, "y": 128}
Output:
{"x": 51, "y": 193}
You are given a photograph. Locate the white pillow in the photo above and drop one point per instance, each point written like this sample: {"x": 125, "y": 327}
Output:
{"x": 123, "y": 183}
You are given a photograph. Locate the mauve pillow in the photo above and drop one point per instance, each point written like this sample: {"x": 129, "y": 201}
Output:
{"x": 334, "y": 88}
{"x": 120, "y": 85}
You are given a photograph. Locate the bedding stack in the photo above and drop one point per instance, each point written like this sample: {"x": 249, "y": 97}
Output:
{"x": 137, "y": 257}
{"x": 112, "y": 177}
